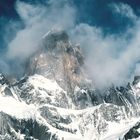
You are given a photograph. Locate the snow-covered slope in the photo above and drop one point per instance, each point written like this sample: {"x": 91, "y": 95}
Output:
{"x": 56, "y": 100}
{"x": 39, "y": 101}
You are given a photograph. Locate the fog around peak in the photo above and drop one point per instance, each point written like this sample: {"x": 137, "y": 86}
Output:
{"x": 109, "y": 58}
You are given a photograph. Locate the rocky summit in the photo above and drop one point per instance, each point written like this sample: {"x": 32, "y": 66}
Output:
{"x": 57, "y": 100}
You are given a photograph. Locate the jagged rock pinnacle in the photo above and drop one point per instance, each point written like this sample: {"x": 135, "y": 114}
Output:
{"x": 58, "y": 59}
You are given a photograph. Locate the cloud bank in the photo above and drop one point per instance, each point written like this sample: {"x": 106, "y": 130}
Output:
{"x": 38, "y": 19}
{"x": 109, "y": 59}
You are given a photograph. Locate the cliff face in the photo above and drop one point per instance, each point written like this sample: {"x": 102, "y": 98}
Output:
{"x": 57, "y": 59}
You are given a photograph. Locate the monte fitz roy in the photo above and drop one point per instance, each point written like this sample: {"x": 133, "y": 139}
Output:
{"x": 57, "y": 100}
{"x": 69, "y": 70}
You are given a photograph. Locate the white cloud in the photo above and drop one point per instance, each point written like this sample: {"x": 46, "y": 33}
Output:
{"x": 109, "y": 59}
{"x": 124, "y": 10}
{"x": 38, "y": 20}
{"x": 4, "y": 67}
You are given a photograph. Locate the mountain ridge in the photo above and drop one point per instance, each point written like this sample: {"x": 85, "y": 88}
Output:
{"x": 56, "y": 99}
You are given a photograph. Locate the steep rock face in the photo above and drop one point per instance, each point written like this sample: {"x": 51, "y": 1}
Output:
{"x": 133, "y": 133}
{"x": 125, "y": 96}
{"x": 5, "y": 87}
{"x": 39, "y": 90}
{"x": 59, "y": 60}
{"x": 12, "y": 128}
{"x": 3, "y": 80}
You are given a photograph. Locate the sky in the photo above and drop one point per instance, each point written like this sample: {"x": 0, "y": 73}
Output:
{"x": 107, "y": 30}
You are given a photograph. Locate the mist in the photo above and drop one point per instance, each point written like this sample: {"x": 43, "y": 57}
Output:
{"x": 38, "y": 20}
{"x": 112, "y": 58}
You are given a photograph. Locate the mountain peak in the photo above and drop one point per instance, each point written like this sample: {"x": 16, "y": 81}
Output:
{"x": 58, "y": 59}
{"x": 57, "y": 34}
{"x": 53, "y": 37}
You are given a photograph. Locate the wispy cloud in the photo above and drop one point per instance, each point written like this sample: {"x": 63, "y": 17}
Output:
{"x": 112, "y": 58}
{"x": 38, "y": 19}
{"x": 109, "y": 59}
{"x": 124, "y": 10}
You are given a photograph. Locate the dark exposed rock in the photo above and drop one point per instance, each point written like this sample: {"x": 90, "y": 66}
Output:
{"x": 52, "y": 116}
{"x": 133, "y": 132}
{"x": 136, "y": 80}
{"x": 3, "y": 80}
{"x": 30, "y": 128}
{"x": 7, "y": 92}
{"x": 58, "y": 59}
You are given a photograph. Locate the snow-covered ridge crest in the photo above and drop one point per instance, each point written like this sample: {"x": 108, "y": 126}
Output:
{"x": 39, "y": 102}
{"x": 76, "y": 124}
